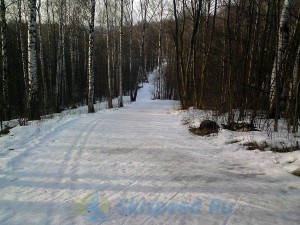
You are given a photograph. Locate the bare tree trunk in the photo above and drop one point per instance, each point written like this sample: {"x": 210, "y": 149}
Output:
{"x": 197, "y": 7}
{"x": 144, "y": 9}
{"x": 23, "y": 52}
{"x": 50, "y": 59}
{"x": 108, "y": 46}
{"x": 85, "y": 66}
{"x": 160, "y": 75}
{"x": 33, "y": 103}
{"x": 120, "y": 101}
{"x": 209, "y": 40}
{"x": 60, "y": 69}
{"x": 73, "y": 69}
{"x": 131, "y": 49}
{"x": 76, "y": 94}
{"x": 63, "y": 68}
{"x": 44, "y": 80}
{"x": 229, "y": 72}
{"x": 59, "y": 63}
{"x": 297, "y": 92}
{"x": 91, "y": 58}
{"x": 281, "y": 46}
{"x": 114, "y": 52}
{"x": 142, "y": 76}
{"x": 5, "y": 101}
{"x": 177, "y": 50}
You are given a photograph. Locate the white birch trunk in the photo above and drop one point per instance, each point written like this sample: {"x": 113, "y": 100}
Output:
{"x": 32, "y": 63}
{"x": 160, "y": 78}
{"x": 120, "y": 56}
{"x": 114, "y": 53}
{"x": 144, "y": 8}
{"x": 283, "y": 38}
{"x": 131, "y": 49}
{"x": 91, "y": 59}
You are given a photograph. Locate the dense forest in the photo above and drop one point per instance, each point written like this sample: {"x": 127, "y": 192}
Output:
{"x": 239, "y": 58}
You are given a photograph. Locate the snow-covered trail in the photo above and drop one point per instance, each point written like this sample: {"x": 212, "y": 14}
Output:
{"x": 144, "y": 164}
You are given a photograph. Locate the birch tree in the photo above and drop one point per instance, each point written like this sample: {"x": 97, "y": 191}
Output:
{"x": 120, "y": 101}
{"x": 160, "y": 57}
{"x": 32, "y": 104}
{"x": 159, "y": 92}
{"x": 281, "y": 46}
{"x": 115, "y": 50}
{"x": 130, "y": 5}
{"x": 91, "y": 58}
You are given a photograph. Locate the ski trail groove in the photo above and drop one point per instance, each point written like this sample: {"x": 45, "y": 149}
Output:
{"x": 138, "y": 152}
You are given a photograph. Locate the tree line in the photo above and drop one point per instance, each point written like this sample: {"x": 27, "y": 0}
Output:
{"x": 61, "y": 53}
{"x": 238, "y": 58}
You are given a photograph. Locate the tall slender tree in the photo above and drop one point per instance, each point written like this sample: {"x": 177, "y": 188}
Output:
{"x": 108, "y": 46}
{"x": 120, "y": 101}
{"x": 283, "y": 38}
{"x": 72, "y": 19}
{"x": 5, "y": 102}
{"x": 60, "y": 68}
{"x": 91, "y": 58}
{"x": 22, "y": 48}
{"x": 33, "y": 98}
{"x": 42, "y": 62}
{"x": 130, "y": 47}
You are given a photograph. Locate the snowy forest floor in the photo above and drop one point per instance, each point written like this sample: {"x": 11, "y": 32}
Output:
{"x": 139, "y": 165}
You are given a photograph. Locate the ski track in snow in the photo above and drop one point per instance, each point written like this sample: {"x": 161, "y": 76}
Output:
{"x": 142, "y": 152}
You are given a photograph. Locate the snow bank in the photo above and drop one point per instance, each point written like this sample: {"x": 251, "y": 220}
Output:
{"x": 289, "y": 162}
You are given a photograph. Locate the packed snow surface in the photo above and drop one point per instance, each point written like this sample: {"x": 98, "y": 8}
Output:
{"x": 139, "y": 165}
